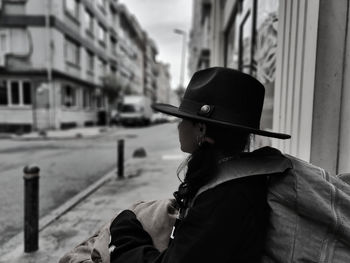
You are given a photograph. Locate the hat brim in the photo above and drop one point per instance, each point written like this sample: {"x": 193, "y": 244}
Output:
{"x": 175, "y": 111}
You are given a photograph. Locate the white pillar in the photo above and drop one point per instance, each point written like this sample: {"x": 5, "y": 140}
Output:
{"x": 344, "y": 139}
{"x": 329, "y": 84}
{"x": 295, "y": 75}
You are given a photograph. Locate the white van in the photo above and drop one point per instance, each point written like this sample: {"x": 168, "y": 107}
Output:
{"x": 135, "y": 109}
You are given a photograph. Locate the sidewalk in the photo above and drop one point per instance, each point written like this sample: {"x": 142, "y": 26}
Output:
{"x": 153, "y": 177}
{"x": 80, "y": 132}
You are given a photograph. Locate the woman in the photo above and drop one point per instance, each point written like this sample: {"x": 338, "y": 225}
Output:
{"x": 223, "y": 208}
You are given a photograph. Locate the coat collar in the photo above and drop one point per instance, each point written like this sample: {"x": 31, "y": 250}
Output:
{"x": 264, "y": 161}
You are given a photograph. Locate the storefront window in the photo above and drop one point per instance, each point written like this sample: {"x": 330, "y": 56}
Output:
{"x": 251, "y": 44}
{"x": 15, "y": 93}
{"x": 238, "y": 41}
{"x": 232, "y": 52}
{"x": 69, "y": 96}
{"x": 245, "y": 41}
{"x": 265, "y": 54}
{"x": 3, "y": 93}
{"x": 27, "y": 93}
{"x": 265, "y": 51}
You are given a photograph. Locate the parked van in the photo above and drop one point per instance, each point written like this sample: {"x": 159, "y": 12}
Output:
{"x": 135, "y": 110}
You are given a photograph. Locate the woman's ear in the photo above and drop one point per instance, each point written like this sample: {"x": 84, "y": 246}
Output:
{"x": 202, "y": 127}
{"x": 201, "y": 130}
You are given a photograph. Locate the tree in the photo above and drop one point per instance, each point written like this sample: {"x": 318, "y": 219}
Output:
{"x": 112, "y": 87}
{"x": 128, "y": 90}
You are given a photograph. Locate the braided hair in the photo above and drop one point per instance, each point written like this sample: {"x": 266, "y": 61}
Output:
{"x": 202, "y": 165}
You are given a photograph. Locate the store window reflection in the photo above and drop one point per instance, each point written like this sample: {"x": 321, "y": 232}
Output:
{"x": 245, "y": 39}
{"x": 251, "y": 44}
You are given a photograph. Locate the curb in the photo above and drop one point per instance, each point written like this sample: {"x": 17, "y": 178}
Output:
{"x": 72, "y": 136}
{"x": 44, "y": 222}
{"x": 4, "y": 136}
{"x": 76, "y": 136}
{"x": 52, "y": 138}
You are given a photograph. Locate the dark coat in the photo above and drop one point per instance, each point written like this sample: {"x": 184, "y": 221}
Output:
{"x": 226, "y": 224}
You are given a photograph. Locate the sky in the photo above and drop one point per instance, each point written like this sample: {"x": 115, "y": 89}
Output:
{"x": 159, "y": 18}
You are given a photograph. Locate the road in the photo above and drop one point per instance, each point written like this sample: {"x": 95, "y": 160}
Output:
{"x": 67, "y": 167}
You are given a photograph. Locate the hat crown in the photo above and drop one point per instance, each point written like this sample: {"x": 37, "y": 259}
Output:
{"x": 223, "y": 96}
{"x": 234, "y": 96}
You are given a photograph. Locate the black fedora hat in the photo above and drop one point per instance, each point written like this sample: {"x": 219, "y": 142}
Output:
{"x": 223, "y": 96}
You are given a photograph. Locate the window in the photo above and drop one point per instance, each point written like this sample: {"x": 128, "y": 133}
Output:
{"x": 72, "y": 51}
{"x": 265, "y": 54}
{"x": 114, "y": 17}
{"x": 69, "y": 96}
{"x": 89, "y": 21}
{"x": 3, "y": 42}
{"x": 72, "y": 7}
{"x": 27, "y": 93}
{"x": 245, "y": 62}
{"x": 3, "y": 93}
{"x": 251, "y": 44}
{"x": 90, "y": 61}
{"x": 102, "y": 66}
{"x": 102, "y": 4}
{"x": 114, "y": 46}
{"x": 14, "y": 92}
{"x": 101, "y": 34}
{"x": 113, "y": 70}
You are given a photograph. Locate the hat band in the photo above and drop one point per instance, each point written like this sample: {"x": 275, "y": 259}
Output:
{"x": 214, "y": 112}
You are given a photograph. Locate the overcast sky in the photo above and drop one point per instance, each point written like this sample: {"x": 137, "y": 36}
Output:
{"x": 159, "y": 18}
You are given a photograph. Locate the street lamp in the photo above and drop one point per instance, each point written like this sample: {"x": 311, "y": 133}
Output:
{"x": 182, "y": 66}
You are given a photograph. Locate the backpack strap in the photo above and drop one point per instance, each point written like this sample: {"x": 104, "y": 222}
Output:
{"x": 264, "y": 161}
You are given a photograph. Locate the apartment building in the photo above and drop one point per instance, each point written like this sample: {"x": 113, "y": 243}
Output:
{"x": 55, "y": 57}
{"x": 163, "y": 94}
{"x": 151, "y": 70}
{"x": 130, "y": 51}
{"x": 299, "y": 50}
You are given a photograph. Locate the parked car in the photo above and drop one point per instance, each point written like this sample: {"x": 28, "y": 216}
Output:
{"x": 158, "y": 117}
{"x": 135, "y": 110}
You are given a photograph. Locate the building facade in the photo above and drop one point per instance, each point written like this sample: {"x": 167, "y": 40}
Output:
{"x": 130, "y": 51}
{"x": 151, "y": 69}
{"x": 163, "y": 83}
{"x": 300, "y": 51}
{"x": 55, "y": 57}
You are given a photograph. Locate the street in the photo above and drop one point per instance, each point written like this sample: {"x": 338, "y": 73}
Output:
{"x": 68, "y": 167}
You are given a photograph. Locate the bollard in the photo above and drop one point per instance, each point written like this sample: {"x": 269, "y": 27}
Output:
{"x": 120, "y": 161}
{"x": 31, "y": 208}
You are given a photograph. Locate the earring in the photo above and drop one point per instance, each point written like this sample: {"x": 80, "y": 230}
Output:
{"x": 200, "y": 139}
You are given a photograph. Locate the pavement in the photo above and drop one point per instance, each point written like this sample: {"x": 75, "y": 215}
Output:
{"x": 149, "y": 178}
{"x": 82, "y": 132}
